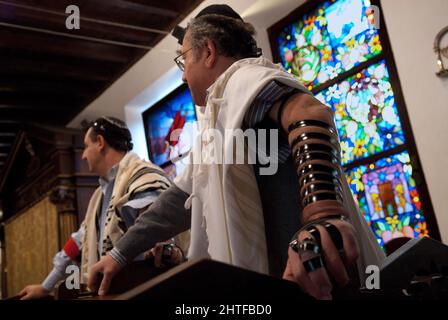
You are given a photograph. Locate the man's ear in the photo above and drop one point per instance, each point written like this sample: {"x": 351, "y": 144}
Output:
{"x": 101, "y": 142}
{"x": 211, "y": 54}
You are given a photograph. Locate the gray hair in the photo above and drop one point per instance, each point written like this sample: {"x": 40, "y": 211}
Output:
{"x": 232, "y": 37}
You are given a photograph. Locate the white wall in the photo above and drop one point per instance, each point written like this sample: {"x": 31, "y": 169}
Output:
{"x": 412, "y": 26}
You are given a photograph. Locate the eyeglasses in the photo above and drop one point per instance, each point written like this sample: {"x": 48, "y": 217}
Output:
{"x": 180, "y": 61}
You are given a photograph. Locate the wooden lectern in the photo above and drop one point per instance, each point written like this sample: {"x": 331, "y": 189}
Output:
{"x": 207, "y": 281}
{"x": 418, "y": 270}
{"x": 195, "y": 280}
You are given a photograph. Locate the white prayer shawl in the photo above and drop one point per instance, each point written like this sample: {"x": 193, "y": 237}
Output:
{"x": 133, "y": 176}
{"x": 227, "y": 217}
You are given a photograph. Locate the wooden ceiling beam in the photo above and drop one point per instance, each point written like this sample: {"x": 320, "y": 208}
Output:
{"x": 48, "y": 77}
{"x": 74, "y": 35}
{"x": 18, "y": 56}
{"x": 35, "y": 42}
{"x": 49, "y": 83}
{"x": 50, "y": 116}
{"x": 139, "y": 7}
{"x": 39, "y": 89}
{"x": 174, "y": 5}
{"x": 29, "y": 67}
{"x": 56, "y": 19}
{"x": 36, "y": 102}
{"x": 109, "y": 12}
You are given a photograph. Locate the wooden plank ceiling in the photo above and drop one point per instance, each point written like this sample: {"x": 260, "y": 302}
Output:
{"x": 48, "y": 77}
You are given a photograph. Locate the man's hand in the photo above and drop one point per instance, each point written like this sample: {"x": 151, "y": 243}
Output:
{"x": 317, "y": 283}
{"x": 175, "y": 258}
{"x": 34, "y": 291}
{"x": 102, "y": 273}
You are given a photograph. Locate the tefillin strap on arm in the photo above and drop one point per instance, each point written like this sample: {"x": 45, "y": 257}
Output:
{"x": 317, "y": 160}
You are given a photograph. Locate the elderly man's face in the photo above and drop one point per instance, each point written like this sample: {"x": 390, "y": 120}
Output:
{"x": 196, "y": 74}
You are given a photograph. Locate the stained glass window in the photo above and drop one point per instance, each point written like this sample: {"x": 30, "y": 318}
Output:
{"x": 388, "y": 197}
{"x": 365, "y": 113}
{"x": 332, "y": 39}
{"x": 170, "y": 127}
{"x": 333, "y": 47}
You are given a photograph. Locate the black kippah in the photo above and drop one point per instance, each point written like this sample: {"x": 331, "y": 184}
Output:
{"x": 114, "y": 131}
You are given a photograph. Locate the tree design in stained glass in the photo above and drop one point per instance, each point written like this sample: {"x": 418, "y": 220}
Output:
{"x": 332, "y": 39}
{"x": 388, "y": 198}
{"x": 365, "y": 113}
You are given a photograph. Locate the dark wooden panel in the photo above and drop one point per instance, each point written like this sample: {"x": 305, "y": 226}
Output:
{"x": 36, "y": 102}
{"x": 18, "y": 65}
{"x": 50, "y": 21}
{"x": 52, "y": 116}
{"x": 55, "y": 83}
{"x": 37, "y": 42}
{"x": 147, "y": 14}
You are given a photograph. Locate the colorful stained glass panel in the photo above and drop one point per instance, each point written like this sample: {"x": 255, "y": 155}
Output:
{"x": 323, "y": 44}
{"x": 365, "y": 113}
{"x": 332, "y": 39}
{"x": 388, "y": 197}
{"x": 170, "y": 126}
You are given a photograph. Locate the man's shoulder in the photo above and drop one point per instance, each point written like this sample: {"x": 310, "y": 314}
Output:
{"x": 147, "y": 168}
{"x": 136, "y": 166}
{"x": 264, "y": 72}
{"x": 148, "y": 174}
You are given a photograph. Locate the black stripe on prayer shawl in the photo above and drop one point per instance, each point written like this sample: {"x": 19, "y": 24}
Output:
{"x": 161, "y": 187}
{"x": 145, "y": 171}
{"x": 263, "y": 102}
{"x": 151, "y": 186}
